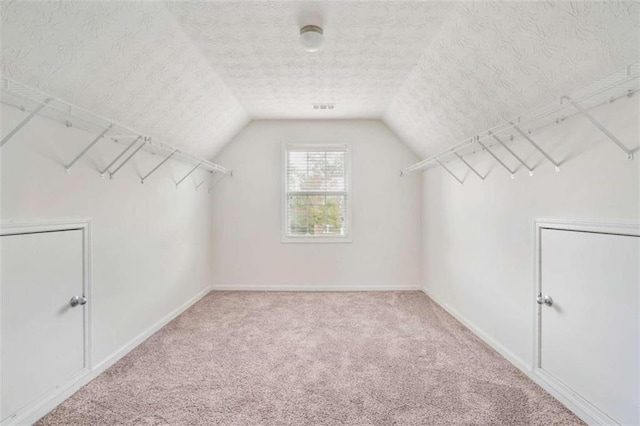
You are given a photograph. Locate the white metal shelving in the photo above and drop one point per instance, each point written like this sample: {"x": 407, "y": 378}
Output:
{"x": 35, "y": 102}
{"x": 624, "y": 82}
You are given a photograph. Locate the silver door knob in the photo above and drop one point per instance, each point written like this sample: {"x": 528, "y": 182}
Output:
{"x": 77, "y": 300}
{"x": 544, "y": 300}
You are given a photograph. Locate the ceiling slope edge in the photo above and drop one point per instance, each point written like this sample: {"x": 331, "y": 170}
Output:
{"x": 398, "y": 135}
{"x": 239, "y": 123}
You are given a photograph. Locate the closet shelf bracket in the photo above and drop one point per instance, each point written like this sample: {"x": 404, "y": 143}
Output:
{"x": 188, "y": 174}
{"x": 167, "y": 158}
{"x": 205, "y": 179}
{"x": 468, "y": 165}
{"x": 495, "y": 157}
{"x": 449, "y": 171}
{"x": 32, "y": 102}
{"x": 115, "y": 160}
{"x": 510, "y": 151}
{"x": 600, "y": 127}
{"x": 84, "y": 151}
{"x": 625, "y": 82}
{"x": 25, "y": 121}
{"x": 126, "y": 160}
{"x": 536, "y": 146}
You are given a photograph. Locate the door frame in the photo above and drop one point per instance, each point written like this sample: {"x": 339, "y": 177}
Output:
{"x": 590, "y": 413}
{"x": 33, "y": 411}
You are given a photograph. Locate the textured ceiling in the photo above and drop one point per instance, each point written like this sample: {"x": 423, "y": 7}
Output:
{"x": 128, "y": 61}
{"x": 491, "y": 61}
{"x": 193, "y": 73}
{"x": 370, "y": 49}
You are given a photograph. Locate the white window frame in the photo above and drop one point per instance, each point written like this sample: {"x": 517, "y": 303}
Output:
{"x": 316, "y": 238}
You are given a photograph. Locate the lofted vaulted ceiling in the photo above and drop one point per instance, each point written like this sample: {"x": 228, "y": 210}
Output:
{"x": 194, "y": 73}
{"x": 370, "y": 50}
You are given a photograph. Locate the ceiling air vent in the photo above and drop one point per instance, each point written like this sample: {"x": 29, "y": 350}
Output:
{"x": 323, "y": 106}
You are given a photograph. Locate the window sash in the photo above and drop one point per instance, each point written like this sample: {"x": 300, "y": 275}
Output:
{"x": 323, "y": 198}
{"x": 317, "y": 215}
{"x": 310, "y": 193}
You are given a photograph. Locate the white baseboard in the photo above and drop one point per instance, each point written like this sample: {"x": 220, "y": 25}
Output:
{"x": 510, "y": 356}
{"x": 113, "y": 358}
{"x": 55, "y": 399}
{"x": 64, "y": 393}
{"x": 301, "y": 287}
{"x": 565, "y": 399}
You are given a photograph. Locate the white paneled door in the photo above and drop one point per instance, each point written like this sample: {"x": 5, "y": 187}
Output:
{"x": 43, "y": 336}
{"x": 589, "y": 319}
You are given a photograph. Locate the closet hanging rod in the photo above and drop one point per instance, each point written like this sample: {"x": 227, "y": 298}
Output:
{"x": 489, "y": 133}
{"x": 628, "y": 74}
{"x": 44, "y": 102}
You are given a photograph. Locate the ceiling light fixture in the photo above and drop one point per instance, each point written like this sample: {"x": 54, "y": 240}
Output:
{"x": 311, "y": 37}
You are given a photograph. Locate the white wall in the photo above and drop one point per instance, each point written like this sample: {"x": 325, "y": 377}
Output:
{"x": 385, "y": 252}
{"x": 478, "y": 237}
{"x": 151, "y": 243}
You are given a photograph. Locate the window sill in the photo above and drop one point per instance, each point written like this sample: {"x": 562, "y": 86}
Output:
{"x": 316, "y": 240}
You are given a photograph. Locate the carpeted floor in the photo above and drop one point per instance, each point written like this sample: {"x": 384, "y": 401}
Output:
{"x": 253, "y": 358}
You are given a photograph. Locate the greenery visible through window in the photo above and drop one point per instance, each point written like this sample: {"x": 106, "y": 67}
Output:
{"x": 316, "y": 192}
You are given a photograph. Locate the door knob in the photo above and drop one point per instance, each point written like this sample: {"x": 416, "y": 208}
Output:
{"x": 77, "y": 300}
{"x": 546, "y": 300}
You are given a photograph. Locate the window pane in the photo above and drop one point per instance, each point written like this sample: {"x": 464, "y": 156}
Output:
{"x": 317, "y": 215}
{"x": 316, "y": 184}
{"x": 335, "y": 207}
{"x": 335, "y": 171}
{"x": 316, "y": 171}
{"x": 297, "y": 170}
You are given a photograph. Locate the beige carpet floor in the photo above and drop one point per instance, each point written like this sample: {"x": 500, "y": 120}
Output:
{"x": 253, "y": 358}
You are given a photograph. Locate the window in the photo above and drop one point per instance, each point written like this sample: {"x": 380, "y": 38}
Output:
{"x": 316, "y": 193}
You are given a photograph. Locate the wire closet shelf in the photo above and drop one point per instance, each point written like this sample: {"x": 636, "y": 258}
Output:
{"x": 35, "y": 102}
{"x": 624, "y": 82}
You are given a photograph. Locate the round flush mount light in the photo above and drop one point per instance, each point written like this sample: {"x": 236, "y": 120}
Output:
{"x": 311, "y": 37}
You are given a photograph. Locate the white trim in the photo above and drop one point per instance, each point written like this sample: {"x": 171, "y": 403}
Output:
{"x": 284, "y": 238}
{"x": 316, "y": 147}
{"x": 301, "y": 287}
{"x": 607, "y": 227}
{"x": 10, "y": 228}
{"x": 583, "y": 408}
{"x": 501, "y": 349}
{"x": 84, "y": 225}
{"x": 115, "y": 357}
{"x": 318, "y": 239}
{"x": 65, "y": 392}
